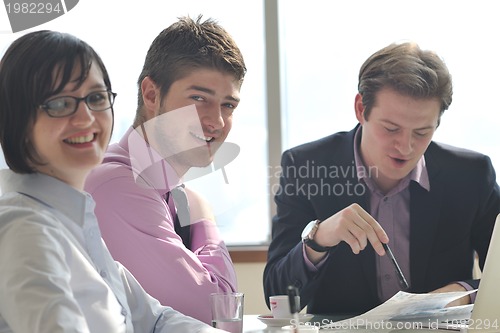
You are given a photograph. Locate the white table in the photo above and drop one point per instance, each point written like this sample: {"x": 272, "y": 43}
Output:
{"x": 251, "y": 324}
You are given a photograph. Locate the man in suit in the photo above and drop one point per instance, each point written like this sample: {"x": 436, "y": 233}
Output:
{"x": 385, "y": 181}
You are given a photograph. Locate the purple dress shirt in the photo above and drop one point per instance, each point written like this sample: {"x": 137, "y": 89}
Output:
{"x": 129, "y": 188}
{"x": 392, "y": 212}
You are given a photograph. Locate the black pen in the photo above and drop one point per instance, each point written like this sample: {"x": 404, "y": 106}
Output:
{"x": 293, "y": 292}
{"x": 402, "y": 281}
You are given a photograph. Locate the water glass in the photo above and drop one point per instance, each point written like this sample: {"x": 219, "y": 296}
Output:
{"x": 227, "y": 311}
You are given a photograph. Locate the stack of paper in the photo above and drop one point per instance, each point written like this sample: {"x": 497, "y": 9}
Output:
{"x": 411, "y": 311}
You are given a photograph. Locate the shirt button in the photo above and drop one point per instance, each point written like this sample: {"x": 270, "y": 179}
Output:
{"x": 387, "y": 277}
{"x": 124, "y": 312}
{"x": 104, "y": 274}
{"x": 385, "y": 199}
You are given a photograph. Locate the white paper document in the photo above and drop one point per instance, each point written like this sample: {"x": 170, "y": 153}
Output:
{"x": 427, "y": 310}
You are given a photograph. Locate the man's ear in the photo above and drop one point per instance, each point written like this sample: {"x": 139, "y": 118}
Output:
{"x": 359, "y": 108}
{"x": 151, "y": 95}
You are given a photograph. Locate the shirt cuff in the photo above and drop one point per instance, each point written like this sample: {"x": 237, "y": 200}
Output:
{"x": 468, "y": 287}
{"x": 312, "y": 267}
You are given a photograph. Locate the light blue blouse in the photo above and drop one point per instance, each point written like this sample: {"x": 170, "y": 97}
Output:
{"x": 56, "y": 274}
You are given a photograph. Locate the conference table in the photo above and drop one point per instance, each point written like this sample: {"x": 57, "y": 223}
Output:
{"x": 252, "y": 324}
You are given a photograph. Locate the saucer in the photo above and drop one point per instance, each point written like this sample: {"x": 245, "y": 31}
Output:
{"x": 269, "y": 320}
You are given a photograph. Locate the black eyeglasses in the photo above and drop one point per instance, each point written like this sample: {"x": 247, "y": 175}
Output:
{"x": 64, "y": 106}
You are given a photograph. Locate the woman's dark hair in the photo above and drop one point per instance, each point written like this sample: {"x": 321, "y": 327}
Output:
{"x": 35, "y": 67}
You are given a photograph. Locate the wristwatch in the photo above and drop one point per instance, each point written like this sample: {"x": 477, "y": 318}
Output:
{"x": 308, "y": 236}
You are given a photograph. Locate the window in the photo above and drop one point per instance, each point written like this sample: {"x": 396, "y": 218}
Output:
{"x": 121, "y": 33}
{"x": 301, "y": 82}
{"x": 325, "y": 43}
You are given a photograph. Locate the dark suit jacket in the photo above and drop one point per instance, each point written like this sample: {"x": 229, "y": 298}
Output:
{"x": 447, "y": 223}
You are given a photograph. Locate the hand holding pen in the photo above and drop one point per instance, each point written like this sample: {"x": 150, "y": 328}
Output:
{"x": 352, "y": 225}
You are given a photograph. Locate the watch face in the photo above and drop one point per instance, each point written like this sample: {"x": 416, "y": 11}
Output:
{"x": 307, "y": 229}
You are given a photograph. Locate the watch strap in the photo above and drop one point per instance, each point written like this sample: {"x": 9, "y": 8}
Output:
{"x": 315, "y": 246}
{"x": 309, "y": 241}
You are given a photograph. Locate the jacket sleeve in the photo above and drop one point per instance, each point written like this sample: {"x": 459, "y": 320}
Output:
{"x": 489, "y": 208}
{"x": 286, "y": 264}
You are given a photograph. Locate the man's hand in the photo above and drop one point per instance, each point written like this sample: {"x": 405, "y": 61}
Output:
{"x": 454, "y": 287}
{"x": 352, "y": 225}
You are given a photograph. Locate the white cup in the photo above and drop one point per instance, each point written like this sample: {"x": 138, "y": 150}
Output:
{"x": 280, "y": 306}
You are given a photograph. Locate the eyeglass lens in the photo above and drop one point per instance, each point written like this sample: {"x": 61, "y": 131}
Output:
{"x": 66, "y": 105}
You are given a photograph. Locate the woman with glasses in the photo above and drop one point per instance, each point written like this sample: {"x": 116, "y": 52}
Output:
{"x": 56, "y": 274}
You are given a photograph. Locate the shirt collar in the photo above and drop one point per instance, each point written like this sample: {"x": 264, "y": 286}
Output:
{"x": 419, "y": 174}
{"x": 49, "y": 191}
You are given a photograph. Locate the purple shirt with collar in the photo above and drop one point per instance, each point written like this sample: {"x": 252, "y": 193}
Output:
{"x": 392, "y": 212}
{"x": 138, "y": 227}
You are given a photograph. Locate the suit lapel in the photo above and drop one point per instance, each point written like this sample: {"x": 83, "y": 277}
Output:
{"x": 366, "y": 258}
